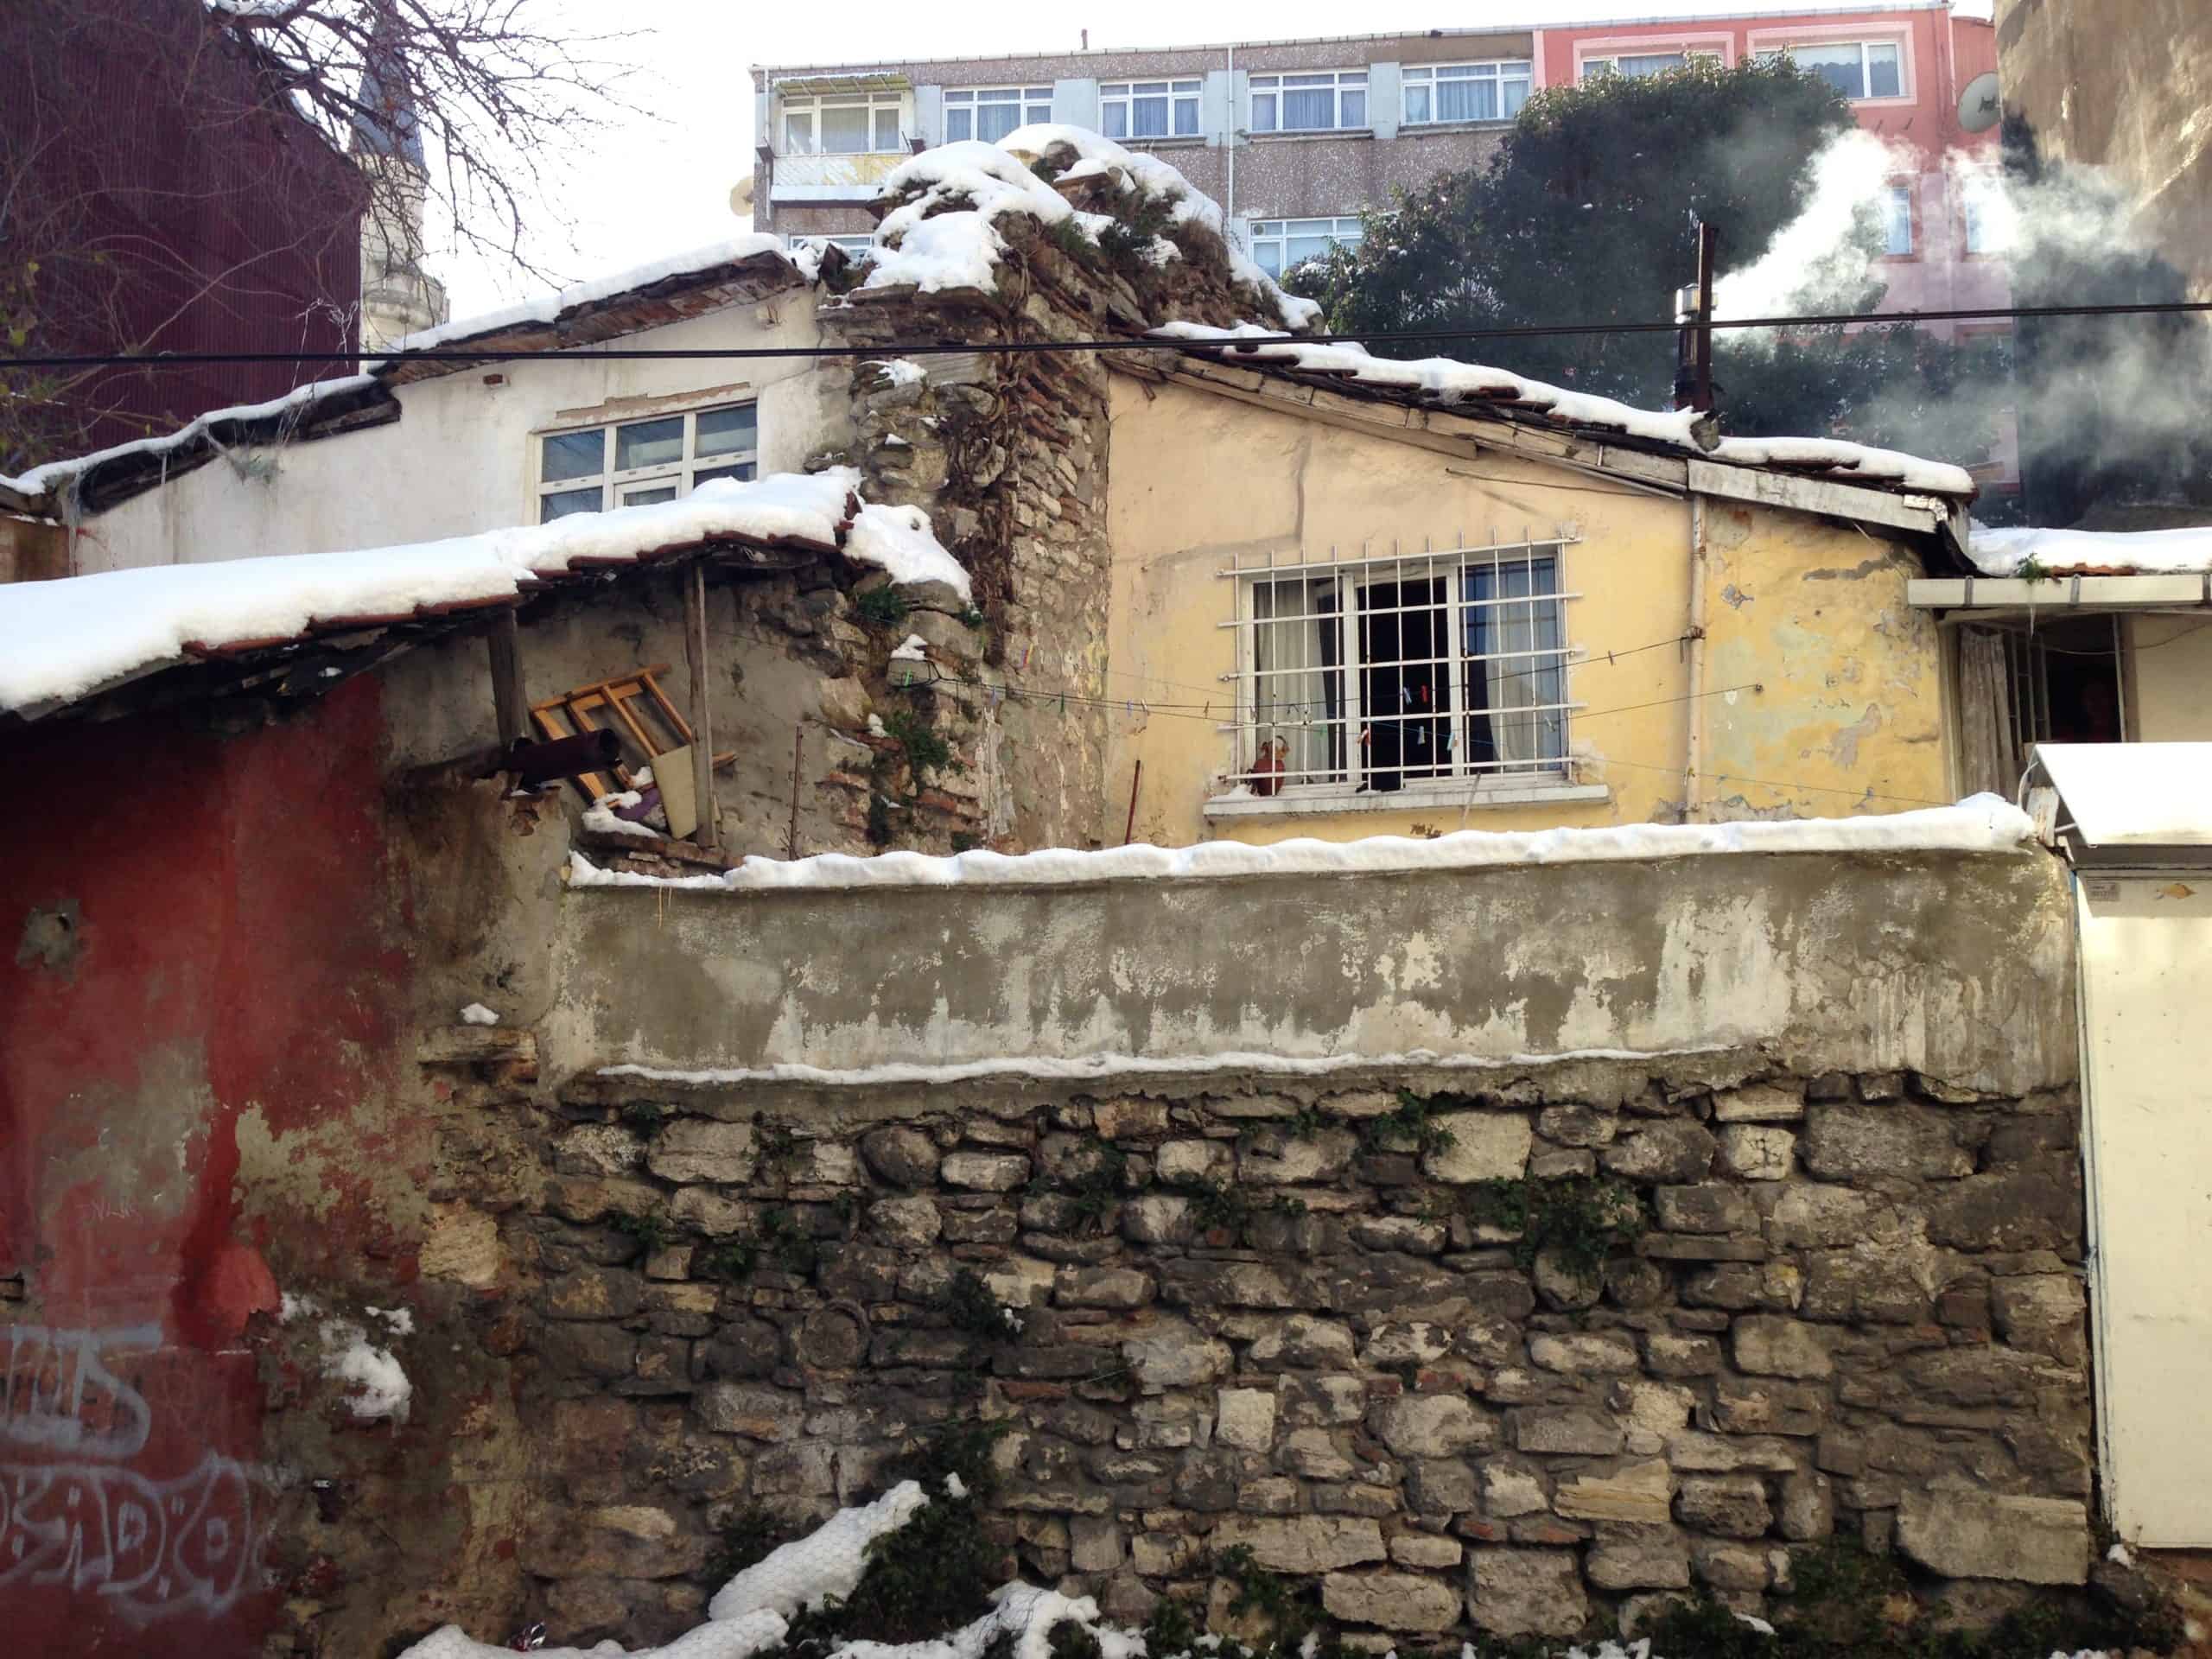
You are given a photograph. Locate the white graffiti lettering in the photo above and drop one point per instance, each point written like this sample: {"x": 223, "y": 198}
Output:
{"x": 60, "y": 1396}
{"x": 148, "y": 1547}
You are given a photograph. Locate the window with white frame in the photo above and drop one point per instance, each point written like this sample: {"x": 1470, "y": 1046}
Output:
{"x": 1333, "y": 100}
{"x": 842, "y": 123}
{"x": 1149, "y": 109}
{"x": 1378, "y": 674}
{"x": 858, "y": 246}
{"x": 1463, "y": 92}
{"x": 991, "y": 112}
{"x": 1641, "y": 65}
{"x": 1982, "y": 212}
{"x": 1856, "y": 68}
{"x": 1278, "y": 244}
{"x": 1896, "y": 220}
{"x": 629, "y": 463}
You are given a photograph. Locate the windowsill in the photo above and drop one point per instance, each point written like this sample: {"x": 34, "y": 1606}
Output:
{"x": 1317, "y": 800}
{"x": 1445, "y": 129}
{"x": 1178, "y": 141}
{"x": 1309, "y": 137}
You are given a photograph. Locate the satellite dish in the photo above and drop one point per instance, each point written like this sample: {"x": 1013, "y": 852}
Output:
{"x": 740, "y": 197}
{"x": 1980, "y": 105}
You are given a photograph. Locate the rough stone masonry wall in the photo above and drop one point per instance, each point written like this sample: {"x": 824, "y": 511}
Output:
{"x": 1260, "y": 1315}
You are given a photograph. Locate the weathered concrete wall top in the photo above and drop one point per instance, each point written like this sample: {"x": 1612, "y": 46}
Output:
{"x": 1957, "y": 966}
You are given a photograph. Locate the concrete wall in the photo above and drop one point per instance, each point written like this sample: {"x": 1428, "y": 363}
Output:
{"x": 461, "y": 458}
{"x": 1811, "y": 610}
{"x": 1790, "y": 956}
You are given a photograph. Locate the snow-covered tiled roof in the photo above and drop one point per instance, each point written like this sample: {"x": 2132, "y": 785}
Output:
{"x": 1447, "y": 382}
{"x": 63, "y": 640}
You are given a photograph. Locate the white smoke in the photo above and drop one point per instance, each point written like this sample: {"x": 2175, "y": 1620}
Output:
{"x": 1822, "y": 258}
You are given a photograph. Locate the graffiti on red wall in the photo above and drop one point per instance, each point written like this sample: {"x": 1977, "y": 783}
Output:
{"x": 80, "y": 1517}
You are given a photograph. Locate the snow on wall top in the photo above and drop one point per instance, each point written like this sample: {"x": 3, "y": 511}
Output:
{"x": 1982, "y": 824}
{"x": 2063, "y": 552}
{"x": 1448, "y": 381}
{"x": 946, "y": 236}
{"x": 61, "y": 639}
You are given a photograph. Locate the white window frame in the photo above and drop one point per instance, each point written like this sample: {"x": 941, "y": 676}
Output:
{"x": 1276, "y": 86}
{"x": 1981, "y": 223}
{"x": 1033, "y": 104}
{"x": 1900, "y": 204}
{"x": 1592, "y": 68}
{"x": 1121, "y": 97}
{"x": 617, "y": 487}
{"x": 857, "y": 244}
{"x": 1344, "y": 232}
{"x": 1500, "y": 74}
{"x": 1350, "y": 768}
{"x": 811, "y": 105}
{"x": 1865, "y": 43}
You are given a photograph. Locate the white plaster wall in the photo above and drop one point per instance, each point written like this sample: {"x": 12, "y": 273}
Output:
{"x": 459, "y": 459}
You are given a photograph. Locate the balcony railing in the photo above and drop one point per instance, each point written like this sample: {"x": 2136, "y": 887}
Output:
{"x": 868, "y": 167}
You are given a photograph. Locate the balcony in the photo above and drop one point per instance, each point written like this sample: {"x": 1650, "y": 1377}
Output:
{"x": 831, "y": 178}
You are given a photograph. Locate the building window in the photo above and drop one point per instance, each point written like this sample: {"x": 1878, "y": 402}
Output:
{"x": 991, "y": 112}
{"x": 842, "y": 123}
{"x": 1330, "y": 102}
{"x": 1373, "y": 675}
{"x": 1149, "y": 109}
{"x": 1464, "y": 91}
{"x": 1896, "y": 221}
{"x": 1279, "y": 244}
{"x": 1982, "y": 213}
{"x": 629, "y": 463}
{"x": 1641, "y": 65}
{"x": 1858, "y": 69}
{"x": 857, "y": 246}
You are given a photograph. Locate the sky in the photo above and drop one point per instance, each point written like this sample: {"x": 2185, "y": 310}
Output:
{"x": 660, "y": 182}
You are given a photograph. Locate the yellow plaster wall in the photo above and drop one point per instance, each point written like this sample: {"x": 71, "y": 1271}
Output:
{"x": 2170, "y": 697}
{"x": 1196, "y": 479}
{"x": 1850, "y": 719}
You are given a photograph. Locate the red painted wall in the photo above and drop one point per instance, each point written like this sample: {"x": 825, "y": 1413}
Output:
{"x": 231, "y": 954}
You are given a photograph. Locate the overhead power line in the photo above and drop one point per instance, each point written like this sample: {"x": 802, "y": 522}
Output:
{"x": 1142, "y": 343}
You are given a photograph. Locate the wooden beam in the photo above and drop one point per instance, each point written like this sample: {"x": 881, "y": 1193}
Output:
{"x": 510, "y": 706}
{"x": 702, "y": 741}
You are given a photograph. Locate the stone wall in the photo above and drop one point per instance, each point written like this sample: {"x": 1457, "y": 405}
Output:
{"x": 1298, "y": 1320}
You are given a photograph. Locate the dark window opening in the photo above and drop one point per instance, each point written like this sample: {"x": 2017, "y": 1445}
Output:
{"x": 1406, "y": 686}
{"x": 2066, "y": 682}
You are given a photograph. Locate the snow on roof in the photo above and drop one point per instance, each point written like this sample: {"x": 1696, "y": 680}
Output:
{"x": 946, "y": 236}
{"x": 41, "y": 479}
{"x": 2102, "y": 552}
{"x": 61, "y": 639}
{"x": 550, "y": 308}
{"x": 1982, "y": 824}
{"x": 1448, "y": 381}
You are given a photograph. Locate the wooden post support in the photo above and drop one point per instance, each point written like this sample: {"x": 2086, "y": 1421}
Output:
{"x": 702, "y": 742}
{"x": 509, "y": 706}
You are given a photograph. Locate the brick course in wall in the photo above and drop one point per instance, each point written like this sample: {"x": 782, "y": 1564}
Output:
{"x": 1264, "y": 1318}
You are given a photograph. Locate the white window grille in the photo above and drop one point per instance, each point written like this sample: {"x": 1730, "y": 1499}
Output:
{"x": 1463, "y": 92}
{"x": 1858, "y": 69}
{"x": 629, "y": 463}
{"x": 991, "y": 112}
{"x": 1381, "y": 674}
{"x": 1896, "y": 220}
{"x": 1333, "y": 100}
{"x": 842, "y": 123}
{"x": 1279, "y": 244}
{"x": 1149, "y": 109}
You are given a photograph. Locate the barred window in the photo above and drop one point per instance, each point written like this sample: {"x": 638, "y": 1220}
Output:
{"x": 1376, "y": 674}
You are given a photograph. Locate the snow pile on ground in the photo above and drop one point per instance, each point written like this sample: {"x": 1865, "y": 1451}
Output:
{"x": 946, "y": 237}
{"x": 804, "y": 1574}
{"x": 40, "y": 479}
{"x": 2061, "y": 552}
{"x": 476, "y": 1014}
{"x": 1452, "y": 381}
{"x": 61, "y": 639}
{"x": 735, "y": 1638}
{"x": 550, "y": 307}
{"x": 1982, "y": 824}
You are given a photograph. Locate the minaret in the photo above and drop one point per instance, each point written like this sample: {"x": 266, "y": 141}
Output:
{"x": 397, "y": 295}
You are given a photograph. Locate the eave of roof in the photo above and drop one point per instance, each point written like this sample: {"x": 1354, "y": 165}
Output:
{"x": 1649, "y": 464}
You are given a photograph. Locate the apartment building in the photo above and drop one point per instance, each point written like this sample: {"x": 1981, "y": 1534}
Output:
{"x": 1297, "y": 138}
